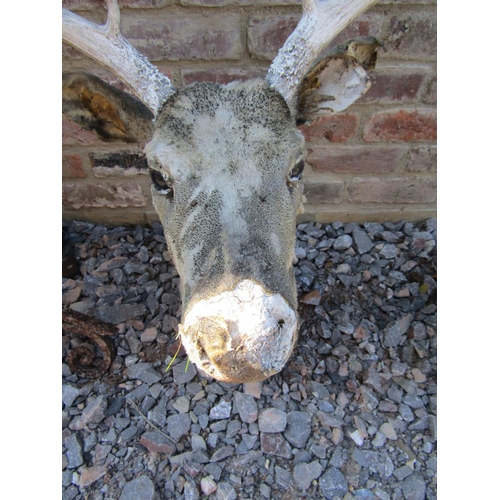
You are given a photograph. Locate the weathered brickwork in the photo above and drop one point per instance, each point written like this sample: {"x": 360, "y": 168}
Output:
{"x": 355, "y": 159}
{"x": 103, "y": 195}
{"x": 72, "y": 167}
{"x": 211, "y": 36}
{"x": 376, "y": 160}
{"x": 402, "y": 125}
{"x": 336, "y": 128}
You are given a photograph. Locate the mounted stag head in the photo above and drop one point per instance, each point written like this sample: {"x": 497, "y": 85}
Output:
{"x": 226, "y": 163}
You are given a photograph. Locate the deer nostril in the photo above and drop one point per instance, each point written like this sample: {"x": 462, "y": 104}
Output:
{"x": 281, "y": 323}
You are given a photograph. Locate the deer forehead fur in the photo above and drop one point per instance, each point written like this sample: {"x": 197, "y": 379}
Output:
{"x": 227, "y": 150}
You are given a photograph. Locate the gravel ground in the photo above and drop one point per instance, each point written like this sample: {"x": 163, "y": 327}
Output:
{"x": 352, "y": 416}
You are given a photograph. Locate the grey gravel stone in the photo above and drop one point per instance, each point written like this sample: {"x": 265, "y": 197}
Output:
{"x": 134, "y": 343}
{"x": 304, "y": 474}
{"x": 178, "y": 425}
{"x": 379, "y": 439}
{"x": 183, "y": 375}
{"x": 414, "y": 487}
{"x": 385, "y": 467}
{"x": 157, "y": 442}
{"x": 190, "y": 491}
{"x": 413, "y": 401}
{"x": 272, "y": 420}
{"x": 365, "y": 458}
{"x": 297, "y": 433}
{"x": 222, "y": 453}
{"x": 283, "y": 477}
{"x": 208, "y": 485}
{"x": 403, "y": 472}
{"x": 120, "y": 313}
{"x": 144, "y": 372}
{"x": 362, "y": 242}
{"x": 275, "y": 444}
{"x": 300, "y": 253}
{"x": 197, "y": 442}
{"x": 302, "y": 456}
{"x": 363, "y": 494}
{"x": 221, "y": 411}
{"x": 394, "y": 332}
{"x": 158, "y": 414}
{"x": 73, "y": 451}
{"x": 389, "y": 252}
{"x": 70, "y": 493}
{"x": 140, "y": 488}
{"x": 226, "y": 492}
{"x": 246, "y": 406}
{"x": 181, "y": 404}
{"x": 328, "y": 420}
{"x": 343, "y": 242}
{"x": 69, "y": 394}
{"x": 388, "y": 430}
{"x": 95, "y": 411}
{"x": 333, "y": 483}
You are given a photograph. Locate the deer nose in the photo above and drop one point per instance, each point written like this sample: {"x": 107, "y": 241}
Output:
{"x": 240, "y": 336}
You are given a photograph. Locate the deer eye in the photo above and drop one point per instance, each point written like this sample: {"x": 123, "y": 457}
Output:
{"x": 295, "y": 174}
{"x": 159, "y": 182}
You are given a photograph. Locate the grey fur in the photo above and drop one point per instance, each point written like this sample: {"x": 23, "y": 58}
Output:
{"x": 232, "y": 212}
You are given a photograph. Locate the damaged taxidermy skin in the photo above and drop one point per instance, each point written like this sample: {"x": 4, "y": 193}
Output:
{"x": 231, "y": 227}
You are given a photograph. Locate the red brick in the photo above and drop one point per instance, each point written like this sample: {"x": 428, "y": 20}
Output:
{"x": 72, "y": 166}
{"x": 398, "y": 190}
{"x": 422, "y": 159}
{"x": 99, "y": 4}
{"x": 69, "y": 52}
{"x": 407, "y": 1}
{"x": 73, "y": 134}
{"x": 430, "y": 96}
{"x": 412, "y": 35}
{"x": 220, "y": 75}
{"x": 355, "y": 159}
{"x": 169, "y": 37}
{"x": 102, "y": 195}
{"x": 367, "y": 24}
{"x": 317, "y": 193}
{"x": 266, "y": 35}
{"x": 388, "y": 87}
{"x": 335, "y": 128}
{"x": 402, "y": 125}
{"x": 222, "y": 3}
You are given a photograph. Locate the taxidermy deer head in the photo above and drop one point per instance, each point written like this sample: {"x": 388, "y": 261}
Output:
{"x": 226, "y": 164}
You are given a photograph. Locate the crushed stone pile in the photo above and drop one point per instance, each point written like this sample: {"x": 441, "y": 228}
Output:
{"x": 352, "y": 415}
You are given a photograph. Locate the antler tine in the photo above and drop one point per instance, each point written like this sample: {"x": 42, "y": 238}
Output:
{"x": 113, "y": 23}
{"x": 106, "y": 45}
{"x": 322, "y": 20}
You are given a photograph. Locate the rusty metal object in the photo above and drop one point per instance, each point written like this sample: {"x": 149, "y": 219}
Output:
{"x": 82, "y": 360}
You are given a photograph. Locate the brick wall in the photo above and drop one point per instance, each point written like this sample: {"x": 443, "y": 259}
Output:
{"x": 375, "y": 161}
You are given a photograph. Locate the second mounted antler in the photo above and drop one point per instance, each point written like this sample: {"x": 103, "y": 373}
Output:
{"x": 321, "y": 22}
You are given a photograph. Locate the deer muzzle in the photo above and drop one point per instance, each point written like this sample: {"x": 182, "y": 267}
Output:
{"x": 242, "y": 335}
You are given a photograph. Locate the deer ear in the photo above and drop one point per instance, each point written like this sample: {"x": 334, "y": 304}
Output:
{"x": 338, "y": 79}
{"x": 110, "y": 112}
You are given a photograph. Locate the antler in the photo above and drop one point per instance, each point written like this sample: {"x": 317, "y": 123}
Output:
{"x": 322, "y": 20}
{"x": 106, "y": 45}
